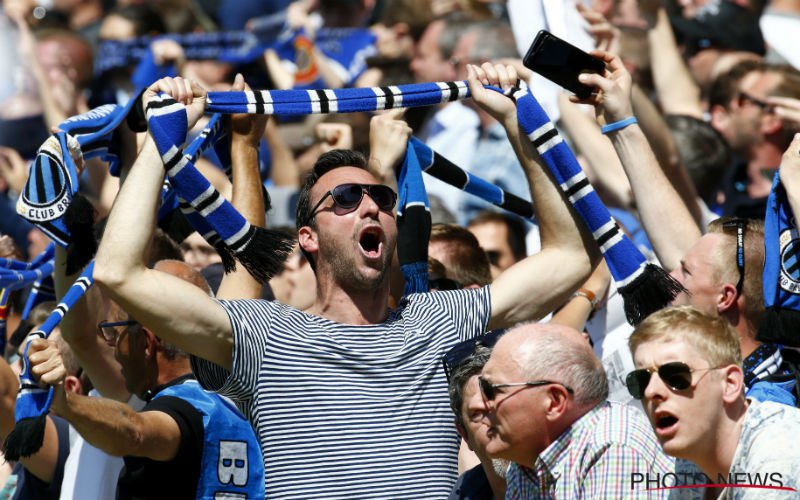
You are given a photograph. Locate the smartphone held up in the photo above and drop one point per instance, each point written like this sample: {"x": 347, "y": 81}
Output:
{"x": 561, "y": 62}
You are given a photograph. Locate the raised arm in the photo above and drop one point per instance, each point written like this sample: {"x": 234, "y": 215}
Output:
{"x": 668, "y": 222}
{"x": 109, "y": 425}
{"x": 538, "y": 284}
{"x": 79, "y": 330}
{"x": 248, "y": 194}
{"x": 179, "y": 311}
{"x": 677, "y": 90}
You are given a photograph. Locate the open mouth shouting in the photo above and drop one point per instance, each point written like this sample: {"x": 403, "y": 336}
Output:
{"x": 665, "y": 424}
{"x": 370, "y": 242}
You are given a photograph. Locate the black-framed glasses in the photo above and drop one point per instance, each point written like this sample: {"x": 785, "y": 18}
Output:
{"x": 111, "y": 330}
{"x": 743, "y": 97}
{"x": 489, "y": 390}
{"x": 676, "y": 375}
{"x": 740, "y": 225}
{"x": 463, "y": 350}
{"x": 348, "y": 196}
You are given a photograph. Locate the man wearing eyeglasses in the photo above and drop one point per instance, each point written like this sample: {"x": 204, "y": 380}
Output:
{"x": 756, "y": 134}
{"x": 186, "y": 442}
{"x": 545, "y": 393}
{"x": 689, "y": 377}
{"x": 348, "y": 397}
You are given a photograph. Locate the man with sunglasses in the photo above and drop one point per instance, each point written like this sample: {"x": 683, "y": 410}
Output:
{"x": 348, "y": 397}
{"x": 689, "y": 377}
{"x": 721, "y": 271}
{"x": 545, "y": 393}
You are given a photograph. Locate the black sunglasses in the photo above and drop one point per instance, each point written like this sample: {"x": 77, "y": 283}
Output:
{"x": 463, "y": 350}
{"x": 489, "y": 390}
{"x": 740, "y": 225}
{"x": 676, "y": 375}
{"x": 348, "y": 196}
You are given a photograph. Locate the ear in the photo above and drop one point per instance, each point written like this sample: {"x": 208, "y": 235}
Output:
{"x": 720, "y": 117}
{"x": 771, "y": 123}
{"x": 401, "y": 29}
{"x": 150, "y": 343}
{"x": 461, "y": 431}
{"x": 307, "y": 238}
{"x": 472, "y": 286}
{"x": 728, "y": 298}
{"x": 733, "y": 384}
{"x": 73, "y": 384}
{"x": 557, "y": 402}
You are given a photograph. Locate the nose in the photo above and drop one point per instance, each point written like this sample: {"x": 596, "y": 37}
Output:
{"x": 368, "y": 207}
{"x": 655, "y": 388}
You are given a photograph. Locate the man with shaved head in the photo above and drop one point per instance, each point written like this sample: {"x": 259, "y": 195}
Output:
{"x": 545, "y": 393}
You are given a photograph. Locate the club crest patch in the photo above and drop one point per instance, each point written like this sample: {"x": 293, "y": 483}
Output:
{"x": 790, "y": 261}
{"x": 48, "y": 192}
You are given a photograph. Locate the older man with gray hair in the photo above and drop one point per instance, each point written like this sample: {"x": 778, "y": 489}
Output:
{"x": 545, "y": 393}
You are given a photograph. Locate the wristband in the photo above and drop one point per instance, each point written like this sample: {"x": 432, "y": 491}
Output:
{"x": 613, "y": 127}
{"x": 588, "y": 295}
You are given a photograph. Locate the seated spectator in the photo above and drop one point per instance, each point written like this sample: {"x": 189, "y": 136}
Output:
{"x": 545, "y": 392}
{"x": 697, "y": 406}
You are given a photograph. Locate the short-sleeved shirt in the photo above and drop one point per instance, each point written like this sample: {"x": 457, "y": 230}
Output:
{"x": 177, "y": 478}
{"x": 350, "y": 411}
{"x": 594, "y": 458}
{"x": 767, "y": 453}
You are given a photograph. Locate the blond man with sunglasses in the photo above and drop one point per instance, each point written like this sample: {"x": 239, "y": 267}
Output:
{"x": 690, "y": 379}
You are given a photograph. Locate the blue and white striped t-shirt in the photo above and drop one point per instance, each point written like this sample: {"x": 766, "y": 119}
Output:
{"x": 350, "y": 411}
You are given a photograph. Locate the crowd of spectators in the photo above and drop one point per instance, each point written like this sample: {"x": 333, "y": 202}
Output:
{"x": 190, "y": 371}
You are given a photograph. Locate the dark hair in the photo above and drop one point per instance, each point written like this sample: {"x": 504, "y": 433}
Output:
{"x": 704, "y": 152}
{"x": 725, "y": 87}
{"x": 460, "y": 375}
{"x": 144, "y": 19}
{"x": 467, "y": 263}
{"x": 515, "y": 234}
{"x": 326, "y": 162}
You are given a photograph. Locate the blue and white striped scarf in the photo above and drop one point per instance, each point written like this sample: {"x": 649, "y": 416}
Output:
{"x": 259, "y": 250}
{"x": 780, "y": 323}
{"x": 645, "y": 287}
{"x": 33, "y": 402}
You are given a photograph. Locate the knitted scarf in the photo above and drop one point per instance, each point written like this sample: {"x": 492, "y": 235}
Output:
{"x": 645, "y": 288}
{"x": 33, "y": 402}
{"x": 781, "y": 278}
{"x": 260, "y": 251}
{"x": 413, "y": 224}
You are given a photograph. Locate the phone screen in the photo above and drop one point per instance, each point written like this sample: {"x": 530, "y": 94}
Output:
{"x": 561, "y": 62}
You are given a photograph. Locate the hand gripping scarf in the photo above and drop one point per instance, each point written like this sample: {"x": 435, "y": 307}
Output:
{"x": 50, "y": 198}
{"x": 260, "y": 251}
{"x": 645, "y": 287}
{"x": 33, "y": 402}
